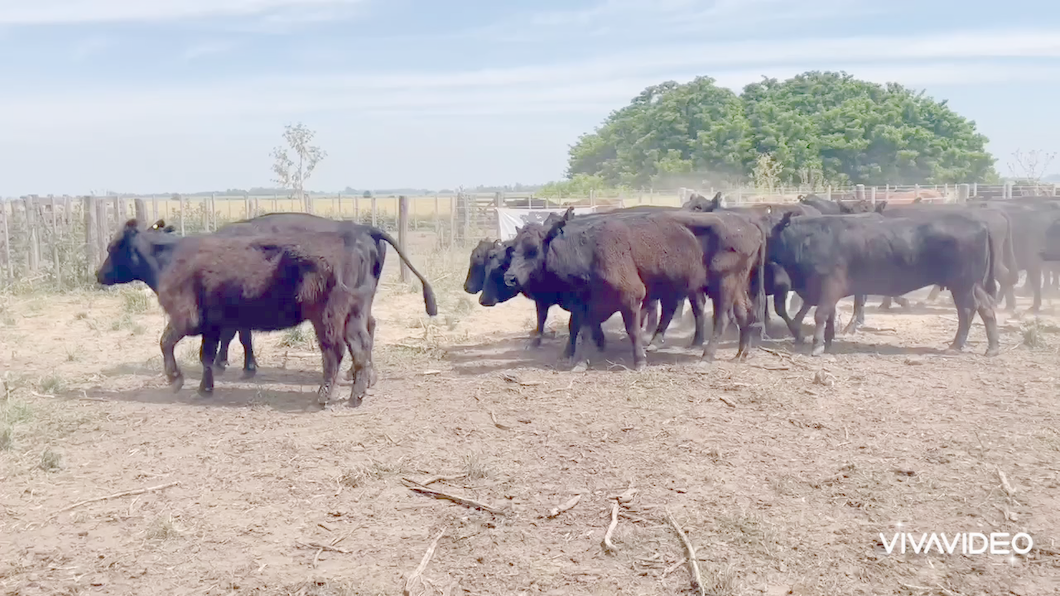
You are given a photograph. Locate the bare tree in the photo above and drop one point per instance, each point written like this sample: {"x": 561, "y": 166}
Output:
{"x": 1030, "y": 167}
{"x": 292, "y": 172}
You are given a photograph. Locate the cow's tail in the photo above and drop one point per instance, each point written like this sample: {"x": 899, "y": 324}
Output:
{"x": 428, "y": 293}
{"x": 990, "y": 284}
{"x": 760, "y": 296}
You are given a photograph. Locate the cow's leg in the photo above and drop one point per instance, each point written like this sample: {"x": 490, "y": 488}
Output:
{"x": 631, "y": 317}
{"x": 221, "y": 363}
{"x": 984, "y": 304}
{"x": 780, "y": 298}
{"x": 743, "y": 313}
{"x": 574, "y": 327}
{"x": 720, "y": 299}
{"x": 885, "y": 304}
{"x": 373, "y": 376}
{"x": 1034, "y": 279}
{"x": 903, "y": 302}
{"x": 542, "y": 317}
{"x": 168, "y": 342}
{"x": 579, "y": 358}
{"x": 933, "y": 295}
{"x": 964, "y": 300}
{"x": 795, "y": 323}
{"x": 696, "y": 301}
{"x": 333, "y": 341}
{"x": 829, "y": 330}
{"x": 825, "y": 311}
{"x": 858, "y": 318}
{"x": 250, "y": 364}
{"x": 1010, "y": 297}
{"x": 360, "y": 342}
{"x": 649, "y": 316}
{"x": 207, "y": 354}
{"x": 669, "y": 307}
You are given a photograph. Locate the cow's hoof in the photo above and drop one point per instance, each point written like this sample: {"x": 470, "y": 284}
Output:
{"x": 952, "y": 351}
{"x": 175, "y": 383}
{"x": 991, "y": 352}
{"x": 219, "y": 368}
{"x": 639, "y": 366}
{"x": 651, "y": 348}
{"x": 205, "y": 391}
{"x": 373, "y": 377}
{"x": 817, "y": 351}
{"x": 580, "y": 367}
{"x": 248, "y": 373}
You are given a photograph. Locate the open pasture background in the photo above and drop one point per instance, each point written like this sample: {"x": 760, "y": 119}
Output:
{"x": 782, "y": 471}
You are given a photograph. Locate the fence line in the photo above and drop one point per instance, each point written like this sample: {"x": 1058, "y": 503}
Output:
{"x": 62, "y": 240}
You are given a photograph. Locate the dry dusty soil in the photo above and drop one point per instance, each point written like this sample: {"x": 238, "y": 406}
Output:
{"x": 782, "y": 471}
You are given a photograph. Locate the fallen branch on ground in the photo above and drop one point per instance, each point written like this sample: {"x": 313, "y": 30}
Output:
{"x": 127, "y": 493}
{"x": 726, "y": 402}
{"x": 498, "y": 424}
{"x": 1004, "y": 482}
{"x": 318, "y": 546}
{"x": 455, "y": 499}
{"x": 434, "y": 479}
{"x": 423, "y": 563}
{"x": 693, "y": 565}
{"x": 564, "y": 507}
{"x": 608, "y": 545}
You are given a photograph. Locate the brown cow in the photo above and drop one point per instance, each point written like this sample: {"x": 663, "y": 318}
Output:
{"x": 265, "y": 283}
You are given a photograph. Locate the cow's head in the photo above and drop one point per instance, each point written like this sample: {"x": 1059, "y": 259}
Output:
{"x": 701, "y": 204}
{"x": 495, "y": 289}
{"x": 476, "y": 271}
{"x": 528, "y": 251}
{"x": 857, "y": 206}
{"x": 881, "y": 206}
{"x": 160, "y": 226}
{"x": 134, "y": 254}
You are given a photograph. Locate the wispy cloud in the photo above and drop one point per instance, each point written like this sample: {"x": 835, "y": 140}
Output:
{"x": 42, "y": 12}
{"x": 90, "y": 47}
{"x": 206, "y": 48}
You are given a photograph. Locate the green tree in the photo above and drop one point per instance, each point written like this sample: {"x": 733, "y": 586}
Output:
{"x": 817, "y": 128}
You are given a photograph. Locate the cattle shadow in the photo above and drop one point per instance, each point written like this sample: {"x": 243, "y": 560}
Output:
{"x": 282, "y": 390}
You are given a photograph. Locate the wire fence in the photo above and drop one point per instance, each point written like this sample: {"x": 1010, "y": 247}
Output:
{"x": 59, "y": 241}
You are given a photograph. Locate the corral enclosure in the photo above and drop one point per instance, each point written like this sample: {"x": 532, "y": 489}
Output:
{"x": 782, "y": 471}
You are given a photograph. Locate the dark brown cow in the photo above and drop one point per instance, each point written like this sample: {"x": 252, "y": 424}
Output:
{"x": 263, "y": 283}
{"x": 608, "y": 265}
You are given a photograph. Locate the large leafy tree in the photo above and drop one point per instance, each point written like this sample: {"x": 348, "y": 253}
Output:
{"x": 815, "y": 128}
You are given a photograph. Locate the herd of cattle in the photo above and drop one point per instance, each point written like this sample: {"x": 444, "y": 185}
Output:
{"x": 278, "y": 270}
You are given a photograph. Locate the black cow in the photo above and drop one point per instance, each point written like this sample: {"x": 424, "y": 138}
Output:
{"x": 608, "y": 265}
{"x": 1030, "y": 220}
{"x": 829, "y": 257}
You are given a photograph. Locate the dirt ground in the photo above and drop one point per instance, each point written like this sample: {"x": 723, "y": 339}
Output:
{"x": 782, "y": 471}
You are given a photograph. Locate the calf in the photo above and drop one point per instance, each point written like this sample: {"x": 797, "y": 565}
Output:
{"x": 263, "y": 283}
{"x": 610, "y": 265}
{"x": 829, "y": 257}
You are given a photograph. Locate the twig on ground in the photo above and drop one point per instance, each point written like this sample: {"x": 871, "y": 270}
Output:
{"x": 317, "y": 545}
{"x": 608, "y": 545}
{"x": 127, "y": 493}
{"x": 455, "y": 499}
{"x": 912, "y": 587}
{"x": 626, "y": 496}
{"x": 769, "y": 367}
{"x": 726, "y": 401}
{"x": 316, "y": 557}
{"x": 423, "y": 563}
{"x": 693, "y": 565}
{"x": 1004, "y": 482}
{"x": 498, "y": 424}
{"x": 674, "y": 567}
{"x": 434, "y": 479}
{"x": 564, "y": 507}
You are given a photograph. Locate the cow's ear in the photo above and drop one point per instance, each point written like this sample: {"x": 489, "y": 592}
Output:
{"x": 568, "y": 214}
{"x": 497, "y": 242}
{"x": 785, "y": 221}
{"x": 715, "y": 203}
{"x": 769, "y": 209}
{"x": 159, "y": 225}
{"x": 717, "y": 196}
{"x": 169, "y": 229}
{"x": 880, "y": 206}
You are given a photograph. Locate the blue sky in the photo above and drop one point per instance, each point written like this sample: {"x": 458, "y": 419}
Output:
{"x": 186, "y": 95}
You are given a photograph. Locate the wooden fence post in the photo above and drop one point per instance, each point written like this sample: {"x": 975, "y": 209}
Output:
{"x": 55, "y": 246}
{"x": 5, "y": 237}
{"x": 437, "y": 224}
{"x": 403, "y": 232}
{"x": 181, "y": 197}
{"x": 452, "y": 220}
{"x": 963, "y": 192}
{"x": 33, "y": 234}
{"x": 140, "y": 207}
{"x": 872, "y": 196}
{"x": 91, "y": 232}
{"x": 859, "y": 192}
{"x": 374, "y": 212}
